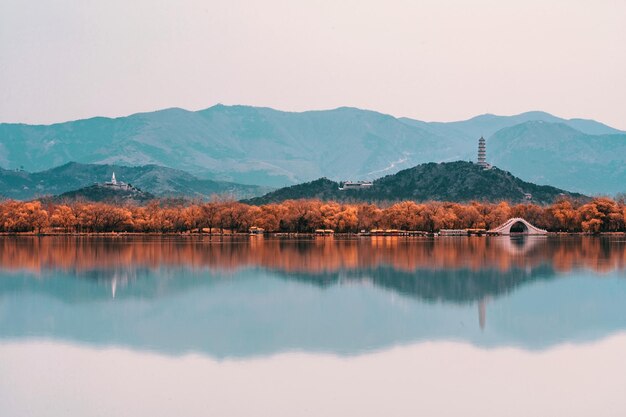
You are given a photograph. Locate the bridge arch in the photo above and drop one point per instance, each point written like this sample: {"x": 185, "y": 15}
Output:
{"x": 517, "y": 225}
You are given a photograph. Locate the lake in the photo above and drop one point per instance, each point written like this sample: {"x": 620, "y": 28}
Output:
{"x": 199, "y": 326}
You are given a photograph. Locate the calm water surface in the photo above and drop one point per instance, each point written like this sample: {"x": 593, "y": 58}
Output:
{"x": 145, "y": 326}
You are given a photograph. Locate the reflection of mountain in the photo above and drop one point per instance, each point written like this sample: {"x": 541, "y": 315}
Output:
{"x": 447, "y": 285}
{"x": 448, "y": 270}
{"x": 231, "y": 300}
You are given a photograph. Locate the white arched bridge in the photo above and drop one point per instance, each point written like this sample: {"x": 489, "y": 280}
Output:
{"x": 517, "y": 225}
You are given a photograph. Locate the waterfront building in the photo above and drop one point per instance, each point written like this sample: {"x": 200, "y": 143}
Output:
{"x": 453, "y": 232}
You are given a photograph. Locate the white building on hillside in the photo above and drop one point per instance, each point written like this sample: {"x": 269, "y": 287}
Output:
{"x": 114, "y": 183}
{"x": 355, "y": 185}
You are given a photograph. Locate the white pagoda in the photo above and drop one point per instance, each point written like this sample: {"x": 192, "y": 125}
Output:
{"x": 114, "y": 183}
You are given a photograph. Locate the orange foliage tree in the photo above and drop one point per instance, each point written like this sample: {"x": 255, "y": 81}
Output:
{"x": 304, "y": 216}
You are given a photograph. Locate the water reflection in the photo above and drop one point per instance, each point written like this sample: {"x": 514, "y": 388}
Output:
{"x": 260, "y": 296}
{"x": 602, "y": 254}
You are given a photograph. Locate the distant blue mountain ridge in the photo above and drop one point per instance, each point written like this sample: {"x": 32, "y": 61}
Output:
{"x": 74, "y": 180}
{"x": 262, "y": 146}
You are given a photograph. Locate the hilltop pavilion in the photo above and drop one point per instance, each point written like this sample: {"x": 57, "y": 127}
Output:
{"x": 114, "y": 183}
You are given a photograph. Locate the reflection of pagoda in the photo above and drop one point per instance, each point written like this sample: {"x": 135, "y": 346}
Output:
{"x": 482, "y": 313}
{"x": 121, "y": 277}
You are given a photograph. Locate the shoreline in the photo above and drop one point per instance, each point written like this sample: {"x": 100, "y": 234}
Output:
{"x": 296, "y": 234}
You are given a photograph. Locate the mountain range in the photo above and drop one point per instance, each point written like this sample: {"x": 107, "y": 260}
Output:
{"x": 557, "y": 154}
{"x": 447, "y": 181}
{"x": 262, "y": 146}
{"x": 153, "y": 179}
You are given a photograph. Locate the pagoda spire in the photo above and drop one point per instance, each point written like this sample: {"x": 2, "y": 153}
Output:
{"x": 482, "y": 153}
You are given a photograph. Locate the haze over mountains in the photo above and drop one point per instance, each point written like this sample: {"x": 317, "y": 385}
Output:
{"x": 555, "y": 153}
{"x": 154, "y": 179}
{"x": 268, "y": 147}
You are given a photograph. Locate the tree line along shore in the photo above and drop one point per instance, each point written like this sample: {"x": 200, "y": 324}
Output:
{"x": 600, "y": 215}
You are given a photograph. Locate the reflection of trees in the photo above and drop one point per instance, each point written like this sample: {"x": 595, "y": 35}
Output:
{"x": 314, "y": 256}
{"x": 450, "y": 269}
{"x": 171, "y": 294}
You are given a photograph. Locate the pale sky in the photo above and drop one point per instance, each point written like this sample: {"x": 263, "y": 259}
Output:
{"x": 421, "y": 379}
{"x": 431, "y": 59}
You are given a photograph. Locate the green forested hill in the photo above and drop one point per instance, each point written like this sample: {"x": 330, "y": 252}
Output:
{"x": 452, "y": 181}
{"x": 98, "y": 193}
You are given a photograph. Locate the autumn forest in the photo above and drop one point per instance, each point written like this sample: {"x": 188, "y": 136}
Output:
{"x": 303, "y": 216}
